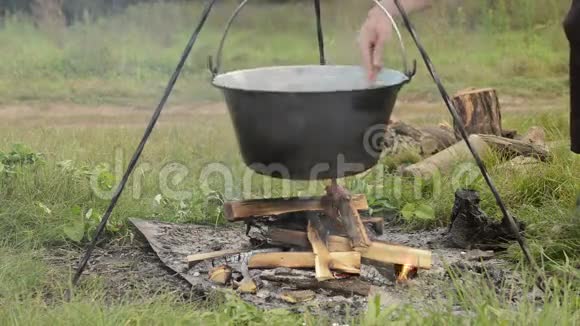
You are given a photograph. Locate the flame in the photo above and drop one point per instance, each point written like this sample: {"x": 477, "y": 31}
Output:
{"x": 405, "y": 272}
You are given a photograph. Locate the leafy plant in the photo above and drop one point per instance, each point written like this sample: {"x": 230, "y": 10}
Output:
{"x": 379, "y": 205}
{"x": 20, "y": 155}
{"x": 85, "y": 223}
{"x": 415, "y": 211}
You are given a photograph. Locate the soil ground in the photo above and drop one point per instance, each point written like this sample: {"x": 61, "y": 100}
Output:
{"x": 73, "y": 115}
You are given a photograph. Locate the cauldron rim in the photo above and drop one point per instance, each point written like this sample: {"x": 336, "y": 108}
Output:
{"x": 386, "y": 78}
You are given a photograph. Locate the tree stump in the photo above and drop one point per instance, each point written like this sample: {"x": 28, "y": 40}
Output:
{"x": 479, "y": 110}
{"x": 471, "y": 228}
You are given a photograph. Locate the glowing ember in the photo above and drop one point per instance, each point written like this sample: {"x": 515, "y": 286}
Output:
{"x": 405, "y": 272}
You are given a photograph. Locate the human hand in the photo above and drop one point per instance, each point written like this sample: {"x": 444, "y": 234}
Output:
{"x": 375, "y": 32}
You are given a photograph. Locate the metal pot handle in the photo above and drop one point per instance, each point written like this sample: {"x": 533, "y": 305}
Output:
{"x": 215, "y": 67}
{"x": 409, "y": 72}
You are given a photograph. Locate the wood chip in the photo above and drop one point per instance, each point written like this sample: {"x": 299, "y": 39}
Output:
{"x": 297, "y": 296}
{"x": 221, "y": 274}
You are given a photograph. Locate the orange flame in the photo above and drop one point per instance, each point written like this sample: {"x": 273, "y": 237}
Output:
{"x": 405, "y": 272}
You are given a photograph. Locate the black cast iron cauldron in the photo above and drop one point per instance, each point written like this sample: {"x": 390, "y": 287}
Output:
{"x": 309, "y": 122}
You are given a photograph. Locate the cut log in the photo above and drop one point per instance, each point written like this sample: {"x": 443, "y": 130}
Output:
{"x": 444, "y": 161}
{"x": 509, "y": 133}
{"x": 347, "y": 286}
{"x": 338, "y": 204}
{"x": 347, "y": 262}
{"x": 436, "y": 139}
{"x": 405, "y": 129}
{"x": 241, "y": 210}
{"x": 510, "y": 148}
{"x": 192, "y": 259}
{"x": 377, "y": 224}
{"x": 471, "y": 228}
{"x": 519, "y": 164}
{"x": 378, "y": 251}
{"x": 479, "y": 110}
{"x": 321, "y": 254}
{"x": 536, "y": 136}
{"x": 221, "y": 274}
{"x": 247, "y": 285}
{"x": 299, "y": 221}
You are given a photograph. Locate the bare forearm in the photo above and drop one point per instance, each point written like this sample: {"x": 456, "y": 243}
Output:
{"x": 408, "y": 5}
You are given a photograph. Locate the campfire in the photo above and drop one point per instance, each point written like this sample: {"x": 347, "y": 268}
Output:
{"x": 326, "y": 234}
{"x": 328, "y": 245}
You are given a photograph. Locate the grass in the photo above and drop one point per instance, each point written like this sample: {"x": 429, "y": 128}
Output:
{"x": 53, "y": 200}
{"x": 128, "y": 58}
{"x": 39, "y": 201}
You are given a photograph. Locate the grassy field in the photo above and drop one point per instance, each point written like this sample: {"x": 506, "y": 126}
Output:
{"x": 128, "y": 58}
{"x": 57, "y": 171}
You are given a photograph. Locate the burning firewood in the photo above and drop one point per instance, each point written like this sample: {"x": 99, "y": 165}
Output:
{"x": 378, "y": 252}
{"x": 405, "y": 272}
{"x": 349, "y": 286}
{"x": 243, "y": 210}
{"x": 321, "y": 254}
{"x": 338, "y": 205}
{"x": 347, "y": 262}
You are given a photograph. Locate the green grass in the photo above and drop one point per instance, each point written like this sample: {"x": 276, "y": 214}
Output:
{"x": 128, "y": 58}
{"x": 38, "y": 201}
{"x": 31, "y": 293}
{"x": 51, "y": 201}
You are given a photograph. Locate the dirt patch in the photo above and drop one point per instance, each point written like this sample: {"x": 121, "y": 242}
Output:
{"x": 71, "y": 115}
{"x": 74, "y": 115}
{"x": 125, "y": 270}
{"x": 143, "y": 268}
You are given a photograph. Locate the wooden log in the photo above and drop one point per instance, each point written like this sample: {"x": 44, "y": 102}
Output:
{"x": 347, "y": 286}
{"x": 444, "y": 161}
{"x": 299, "y": 221}
{"x": 377, "y": 224}
{"x": 243, "y": 210}
{"x": 510, "y": 148}
{"x": 509, "y": 133}
{"x": 378, "y": 251}
{"x": 221, "y": 274}
{"x": 339, "y": 205}
{"x": 321, "y": 254}
{"x": 404, "y": 129}
{"x": 479, "y": 110}
{"x": 347, "y": 262}
{"x": 192, "y": 259}
{"x": 471, "y": 228}
{"x": 436, "y": 139}
{"x": 535, "y": 135}
{"x": 520, "y": 164}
